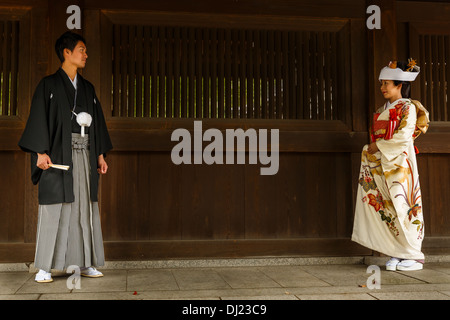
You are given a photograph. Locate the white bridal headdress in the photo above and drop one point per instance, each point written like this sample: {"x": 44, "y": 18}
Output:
{"x": 391, "y": 72}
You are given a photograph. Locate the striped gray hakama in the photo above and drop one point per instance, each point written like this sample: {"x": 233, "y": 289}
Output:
{"x": 70, "y": 233}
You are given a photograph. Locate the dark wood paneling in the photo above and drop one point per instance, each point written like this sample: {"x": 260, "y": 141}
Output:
{"x": 11, "y": 196}
{"x": 159, "y": 214}
{"x": 437, "y": 190}
{"x": 126, "y": 140}
{"x": 212, "y": 202}
{"x": 16, "y": 252}
{"x": 148, "y": 197}
{"x": 302, "y": 200}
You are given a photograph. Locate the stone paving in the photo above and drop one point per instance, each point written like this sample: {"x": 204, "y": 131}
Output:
{"x": 269, "y": 279}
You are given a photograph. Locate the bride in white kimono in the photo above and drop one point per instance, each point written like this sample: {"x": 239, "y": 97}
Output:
{"x": 388, "y": 213}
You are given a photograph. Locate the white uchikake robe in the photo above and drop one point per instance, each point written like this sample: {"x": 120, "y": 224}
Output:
{"x": 388, "y": 212}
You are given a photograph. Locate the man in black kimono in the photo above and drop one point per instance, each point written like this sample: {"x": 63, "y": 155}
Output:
{"x": 69, "y": 231}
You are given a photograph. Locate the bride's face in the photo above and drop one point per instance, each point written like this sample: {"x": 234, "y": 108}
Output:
{"x": 390, "y": 91}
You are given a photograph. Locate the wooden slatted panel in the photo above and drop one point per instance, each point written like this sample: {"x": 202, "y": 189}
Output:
{"x": 434, "y": 59}
{"x": 9, "y": 57}
{"x": 177, "y": 72}
{"x": 264, "y": 69}
{"x": 139, "y": 70}
{"x": 221, "y": 74}
{"x": 242, "y": 76}
{"x": 257, "y": 75}
{"x": 147, "y": 70}
{"x": 250, "y": 74}
{"x": 116, "y": 71}
{"x": 191, "y": 75}
{"x": 206, "y": 84}
{"x": 162, "y": 72}
{"x": 184, "y": 69}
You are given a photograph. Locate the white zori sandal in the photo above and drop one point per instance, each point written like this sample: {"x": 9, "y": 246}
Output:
{"x": 91, "y": 272}
{"x": 43, "y": 276}
{"x": 392, "y": 263}
{"x": 409, "y": 265}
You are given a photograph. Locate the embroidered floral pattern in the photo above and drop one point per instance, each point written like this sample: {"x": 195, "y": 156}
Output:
{"x": 411, "y": 194}
{"x": 376, "y": 200}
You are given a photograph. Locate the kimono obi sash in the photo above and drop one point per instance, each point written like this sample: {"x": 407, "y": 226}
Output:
{"x": 384, "y": 129}
{"x": 423, "y": 119}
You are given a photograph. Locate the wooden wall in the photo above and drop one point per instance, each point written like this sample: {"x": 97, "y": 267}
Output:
{"x": 151, "y": 208}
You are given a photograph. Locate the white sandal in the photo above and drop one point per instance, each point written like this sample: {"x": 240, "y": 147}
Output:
{"x": 43, "y": 276}
{"x": 91, "y": 272}
{"x": 409, "y": 265}
{"x": 392, "y": 263}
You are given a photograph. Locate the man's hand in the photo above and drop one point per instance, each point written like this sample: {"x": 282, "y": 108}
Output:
{"x": 373, "y": 148}
{"x": 102, "y": 166}
{"x": 43, "y": 161}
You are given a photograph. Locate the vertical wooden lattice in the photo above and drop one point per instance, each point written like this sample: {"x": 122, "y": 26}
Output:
{"x": 434, "y": 61}
{"x": 9, "y": 56}
{"x": 177, "y": 72}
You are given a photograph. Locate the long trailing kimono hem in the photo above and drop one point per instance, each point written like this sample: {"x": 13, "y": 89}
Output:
{"x": 388, "y": 210}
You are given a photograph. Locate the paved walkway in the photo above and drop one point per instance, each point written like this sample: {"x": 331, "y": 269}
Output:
{"x": 241, "y": 279}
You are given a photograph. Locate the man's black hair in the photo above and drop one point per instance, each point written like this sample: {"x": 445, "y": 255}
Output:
{"x": 67, "y": 40}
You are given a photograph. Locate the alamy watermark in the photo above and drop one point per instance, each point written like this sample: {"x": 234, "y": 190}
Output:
{"x": 374, "y": 20}
{"x": 74, "y": 20}
{"x": 374, "y": 281}
{"x": 222, "y": 149}
{"x": 74, "y": 281}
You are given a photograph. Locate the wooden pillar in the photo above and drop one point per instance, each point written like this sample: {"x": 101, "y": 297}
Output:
{"x": 382, "y": 48}
{"x": 39, "y": 67}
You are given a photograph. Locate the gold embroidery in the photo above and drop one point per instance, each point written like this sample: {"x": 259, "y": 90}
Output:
{"x": 401, "y": 172}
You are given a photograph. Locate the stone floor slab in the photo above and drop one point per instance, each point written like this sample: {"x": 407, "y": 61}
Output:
{"x": 411, "y": 295}
{"x": 153, "y": 279}
{"x": 33, "y": 296}
{"x": 428, "y": 275}
{"x": 274, "y": 297}
{"x": 343, "y": 275}
{"x": 343, "y": 296}
{"x": 11, "y": 282}
{"x": 194, "y": 279}
{"x": 113, "y": 280}
{"x": 246, "y": 277}
{"x": 90, "y": 296}
{"x": 59, "y": 285}
{"x": 292, "y": 276}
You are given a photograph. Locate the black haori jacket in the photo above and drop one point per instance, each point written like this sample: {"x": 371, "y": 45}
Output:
{"x": 49, "y": 130}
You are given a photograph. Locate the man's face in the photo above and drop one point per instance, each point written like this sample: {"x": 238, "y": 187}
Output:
{"x": 78, "y": 56}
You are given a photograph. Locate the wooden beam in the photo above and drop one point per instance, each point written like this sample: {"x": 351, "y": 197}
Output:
{"x": 327, "y": 8}
{"x": 144, "y": 250}
{"x": 204, "y": 249}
